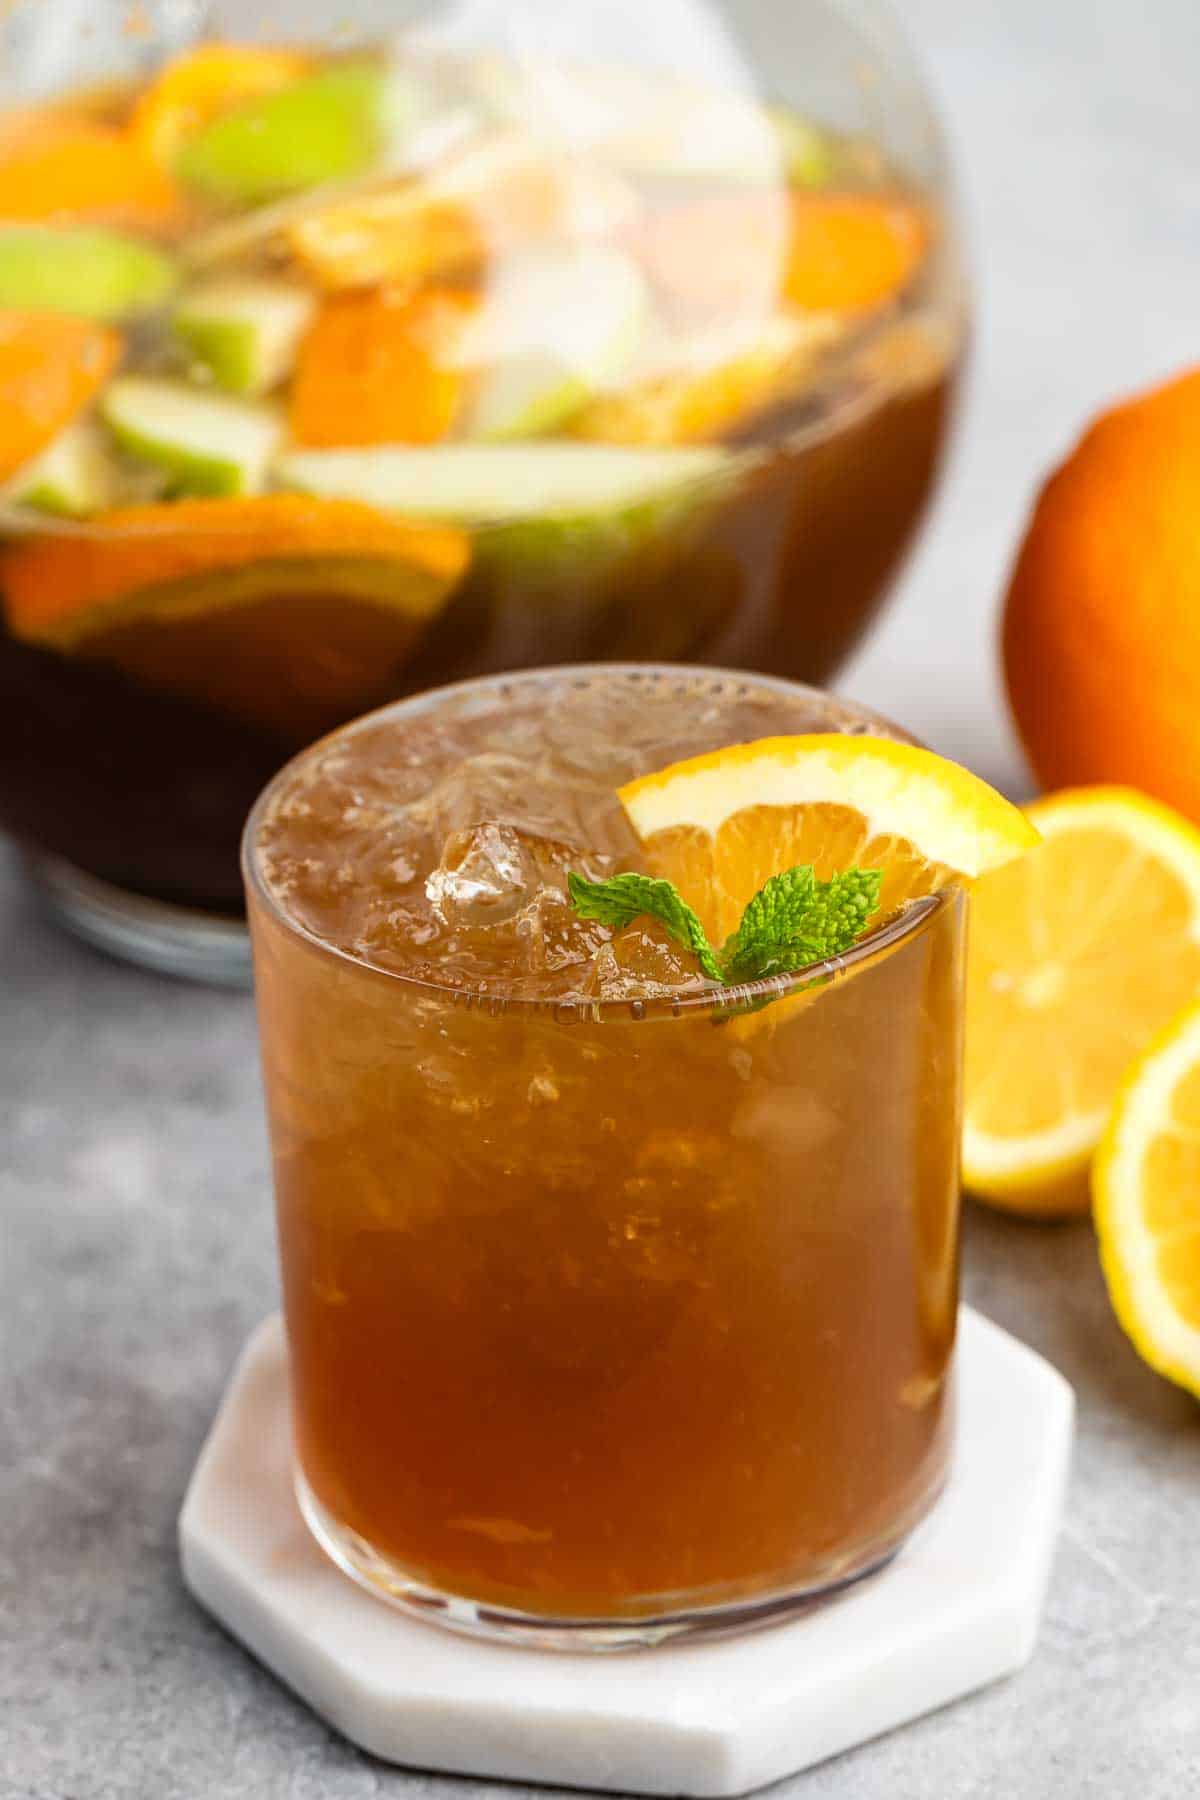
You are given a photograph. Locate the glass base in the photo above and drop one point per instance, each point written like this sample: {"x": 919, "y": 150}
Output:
{"x": 172, "y": 940}
{"x": 388, "y": 1581}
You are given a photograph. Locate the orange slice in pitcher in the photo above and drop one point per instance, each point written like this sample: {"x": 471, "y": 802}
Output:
{"x": 51, "y": 368}
{"x": 288, "y": 612}
{"x": 375, "y": 368}
{"x": 84, "y": 170}
{"x": 851, "y": 252}
{"x": 722, "y": 824}
{"x": 840, "y": 253}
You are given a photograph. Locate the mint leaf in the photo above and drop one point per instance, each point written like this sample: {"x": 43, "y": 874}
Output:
{"x": 621, "y": 899}
{"x": 792, "y": 921}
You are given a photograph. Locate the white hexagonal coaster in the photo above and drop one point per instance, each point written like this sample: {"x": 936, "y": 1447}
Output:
{"x": 957, "y": 1608}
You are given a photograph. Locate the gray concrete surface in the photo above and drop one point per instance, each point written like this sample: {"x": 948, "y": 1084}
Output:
{"x": 135, "y": 1230}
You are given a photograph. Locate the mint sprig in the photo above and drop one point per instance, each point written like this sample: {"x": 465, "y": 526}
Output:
{"x": 619, "y": 900}
{"x": 793, "y": 920}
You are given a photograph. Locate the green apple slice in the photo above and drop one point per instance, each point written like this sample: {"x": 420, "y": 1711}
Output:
{"x": 244, "y": 330}
{"x": 72, "y": 478}
{"x": 558, "y": 325}
{"x": 206, "y": 443}
{"x": 324, "y": 127}
{"x": 555, "y": 520}
{"x": 480, "y": 483}
{"x": 93, "y": 274}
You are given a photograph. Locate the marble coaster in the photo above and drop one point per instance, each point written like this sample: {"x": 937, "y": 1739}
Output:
{"x": 957, "y": 1608}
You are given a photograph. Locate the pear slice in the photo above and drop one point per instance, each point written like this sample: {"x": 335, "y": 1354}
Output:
{"x": 93, "y": 274}
{"x": 74, "y": 476}
{"x": 323, "y": 127}
{"x": 244, "y": 330}
{"x": 558, "y": 325}
{"x": 206, "y": 443}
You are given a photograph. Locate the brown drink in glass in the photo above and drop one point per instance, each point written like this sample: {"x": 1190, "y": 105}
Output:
{"x": 615, "y": 1310}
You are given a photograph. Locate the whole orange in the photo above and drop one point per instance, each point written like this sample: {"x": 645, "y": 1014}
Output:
{"x": 1102, "y": 620}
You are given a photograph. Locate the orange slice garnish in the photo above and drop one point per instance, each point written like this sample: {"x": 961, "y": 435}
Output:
{"x": 722, "y": 824}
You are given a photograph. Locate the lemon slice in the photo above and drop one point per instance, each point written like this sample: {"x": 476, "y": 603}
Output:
{"x": 1079, "y": 954}
{"x": 1146, "y": 1184}
{"x": 721, "y": 824}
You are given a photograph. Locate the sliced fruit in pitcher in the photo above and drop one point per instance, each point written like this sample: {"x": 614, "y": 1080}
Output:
{"x": 74, "y": 477}
{"x": 825, "y": 252}
{"x": 554, "y": 516}
{"x": 86, "y": 170}
{"x": 481, "y": 201}
{"x": 204, "y": 443}
{"x": 1078, "y": 956}
{"x": 468, "y": 483}
{"x": 288, "y": 612}
{"x": 556, "y": 326}
{"x": 244, "y": 331}
{"x": 716, "y": 381}
{"x": 91, "y": 274}
{"x": 51, "y": 368}
{"x": 203, "y": 83}
{"x": 380, "y": 366}
{"x": 1146, "y": 1185}
{"x": 324, "y": 127}
{"x": 851, "y": 252}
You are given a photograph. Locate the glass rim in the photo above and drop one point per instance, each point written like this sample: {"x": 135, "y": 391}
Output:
{"x": 914, "y": 916}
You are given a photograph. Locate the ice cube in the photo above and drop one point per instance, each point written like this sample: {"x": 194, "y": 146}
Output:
{"x": 640, "y": 963}
{"x": 497, "y": 878}
{"x": 485, "y": 877}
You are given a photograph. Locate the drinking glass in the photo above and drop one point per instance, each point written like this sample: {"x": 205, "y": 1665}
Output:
{"x": 610, "y": 1318}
